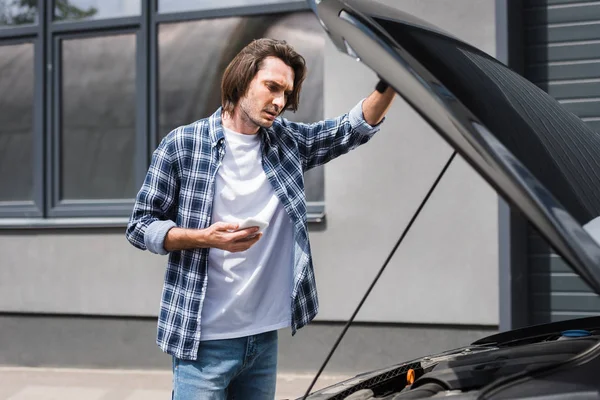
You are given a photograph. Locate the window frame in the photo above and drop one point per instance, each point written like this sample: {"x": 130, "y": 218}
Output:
{"x": 157, "y": 18}
{"x": 19, "y": 34}
{"x": 17, "y": 31}
{"x": 92, "y": 23}
{"x": 315, "y": 209}
{"x": 65, "y": 29}
{"x": 89, "y": 207}
{"x": 47, "y": 210}
{"x": 223, "y": 12}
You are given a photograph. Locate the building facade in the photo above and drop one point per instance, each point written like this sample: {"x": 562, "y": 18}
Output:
{"x": 87, "y": 90}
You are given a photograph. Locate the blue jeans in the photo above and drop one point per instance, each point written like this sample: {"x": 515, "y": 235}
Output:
{"x": 242, "y": 368}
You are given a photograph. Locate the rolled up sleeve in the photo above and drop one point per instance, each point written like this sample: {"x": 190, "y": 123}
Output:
{"x": 358, "y": 122}
{"x": 152, "y": 215}
{"x": 154, "y": 237}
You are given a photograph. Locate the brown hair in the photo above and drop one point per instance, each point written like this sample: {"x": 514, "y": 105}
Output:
{"x": 242, "y": 69}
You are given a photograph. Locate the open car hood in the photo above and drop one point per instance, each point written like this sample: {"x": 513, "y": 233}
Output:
{"x": 539, "y": 157}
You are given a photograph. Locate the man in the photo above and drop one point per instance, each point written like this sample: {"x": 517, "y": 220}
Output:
{"x": 228, "y": 291}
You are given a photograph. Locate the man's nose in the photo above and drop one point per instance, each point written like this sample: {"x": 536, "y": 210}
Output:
{"x": 279, "y": 101}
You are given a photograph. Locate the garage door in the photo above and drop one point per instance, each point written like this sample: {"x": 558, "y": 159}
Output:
{"x": 562, "y": 56}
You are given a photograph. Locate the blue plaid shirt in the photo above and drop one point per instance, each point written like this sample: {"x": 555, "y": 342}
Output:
{"x": 178, "y": 191}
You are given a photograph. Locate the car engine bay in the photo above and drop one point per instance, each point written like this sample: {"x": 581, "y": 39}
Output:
{"x": 462, "y": 374}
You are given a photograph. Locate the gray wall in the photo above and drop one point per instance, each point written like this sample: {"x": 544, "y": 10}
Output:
{"x": 59, "y": 341}
{"x": 75, "y": 271}
{"x": 448, "y": 260}
{"x": 446, "y": 270}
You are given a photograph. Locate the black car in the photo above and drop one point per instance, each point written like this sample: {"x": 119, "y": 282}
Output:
{"x": 543, "y": 160}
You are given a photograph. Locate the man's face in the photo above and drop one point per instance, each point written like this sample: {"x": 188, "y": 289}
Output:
{"x": 267, "y": 93}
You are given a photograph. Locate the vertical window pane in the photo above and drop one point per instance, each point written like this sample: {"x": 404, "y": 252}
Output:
{"x": 193, "y": 56}
{"x": 16, "y": 122}
{"x": 18, "y": 12}
{"x": 167, "y": 6}
{"x": 71, "y": 10}
{"x": 98, "y": 118}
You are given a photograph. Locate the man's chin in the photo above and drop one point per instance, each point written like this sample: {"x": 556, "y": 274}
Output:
{"x": 265, "y": 123}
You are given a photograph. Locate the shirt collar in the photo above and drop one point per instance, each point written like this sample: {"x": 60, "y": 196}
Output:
{"x": 265, "y": 134}
{"x": 216, "y": 129}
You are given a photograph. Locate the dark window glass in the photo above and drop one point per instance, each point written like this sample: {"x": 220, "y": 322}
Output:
{"x": 193, "y": 56}
{"x": 69, "y": 10}
{"x": 98, "y": 118}
{"x": 166, "y": 6}
{"x": 16, "y": 121}
{"x": 18, "y": 12}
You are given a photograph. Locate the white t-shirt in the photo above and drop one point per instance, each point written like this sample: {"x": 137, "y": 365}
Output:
{"x": 248, "y": 292}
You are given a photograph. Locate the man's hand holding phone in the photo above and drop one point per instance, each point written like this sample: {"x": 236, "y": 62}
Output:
{"x": 232, "y": 237}
{"x": 235, "y": 237}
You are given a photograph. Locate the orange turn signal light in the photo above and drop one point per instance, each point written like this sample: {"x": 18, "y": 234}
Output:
{"x": 410, "y": 377}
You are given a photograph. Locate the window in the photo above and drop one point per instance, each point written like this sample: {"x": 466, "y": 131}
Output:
{"x": 97, "y": 118}
{"x": 89, "y": 87}
{"x": 65, "y": 10}
{"x": 193, "y": 56}
{"x": 21, "y": 110}
{"x": 169, "y": 6}
{"x": 96, "y": 107}
{"x": 16, "y": 122}
{"x": 16, "y": 12}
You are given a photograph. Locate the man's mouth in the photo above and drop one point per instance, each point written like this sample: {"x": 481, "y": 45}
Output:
{"x": 272, "y": 114}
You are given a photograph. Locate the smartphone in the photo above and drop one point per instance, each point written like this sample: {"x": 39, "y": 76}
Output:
{"x": 251, "y": 222}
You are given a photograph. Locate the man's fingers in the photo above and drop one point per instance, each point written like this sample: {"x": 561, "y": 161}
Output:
{"x": 245, "y": 244}
{"x": 241, "y": 240}
{"x": 225, "y": 226}
{"x": 244, "y": 234}
{"x": 252, "y": 237}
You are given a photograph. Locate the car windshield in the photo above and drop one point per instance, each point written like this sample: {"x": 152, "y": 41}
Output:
{"x": 557, "y": 147}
